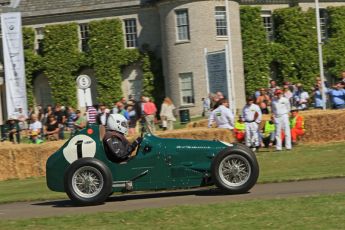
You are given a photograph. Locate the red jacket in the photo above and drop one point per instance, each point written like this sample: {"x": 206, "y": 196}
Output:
{"x": 149, "y": 108}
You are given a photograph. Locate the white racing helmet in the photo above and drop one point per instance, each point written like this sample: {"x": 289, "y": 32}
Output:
{"x": 118, "y": 123}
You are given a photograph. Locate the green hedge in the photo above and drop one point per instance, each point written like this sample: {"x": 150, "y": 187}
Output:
{"x": 108, "y": 55}
{"x": 294, "y": 51}
{"x": 335, "y": 46}
{"x": 256, "y": 55}
{"x": 61, "y": 61}
{"x": 295, "y": 31}
{"x": 33, "y": 62}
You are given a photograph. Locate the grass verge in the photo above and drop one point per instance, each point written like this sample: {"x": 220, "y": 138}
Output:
{"x": 304, "y": 162}
{"x": 317, "y": 212}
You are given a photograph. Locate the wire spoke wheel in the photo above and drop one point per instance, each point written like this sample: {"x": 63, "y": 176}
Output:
{"x": 234, "y": 170}
{"x": 87, "y": 181}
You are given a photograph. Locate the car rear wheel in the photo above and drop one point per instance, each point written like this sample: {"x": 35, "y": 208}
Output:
{"x": 235, "y": 170}
{"x": 88, "y": 181}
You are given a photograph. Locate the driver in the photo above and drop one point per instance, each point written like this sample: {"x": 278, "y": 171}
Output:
{"x": 116, "y": 145}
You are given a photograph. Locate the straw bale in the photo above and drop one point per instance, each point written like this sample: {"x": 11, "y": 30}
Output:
{"x": 321, "y": 126}
{"x": 324, "y": 126}
{"x": 25, "y": 160}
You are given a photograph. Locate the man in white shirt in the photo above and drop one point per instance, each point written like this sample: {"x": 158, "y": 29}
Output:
{"x": 222, "y": 115}
{"x": 252, "y": 116}
{"x": 280, "y": 109}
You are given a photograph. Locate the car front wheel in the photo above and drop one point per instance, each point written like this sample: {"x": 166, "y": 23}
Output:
{"x": 88, "y": 181}
{"x": 235, "y": 170}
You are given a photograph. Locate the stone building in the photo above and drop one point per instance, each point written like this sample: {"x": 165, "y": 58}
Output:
{"x": 179, "y": 31}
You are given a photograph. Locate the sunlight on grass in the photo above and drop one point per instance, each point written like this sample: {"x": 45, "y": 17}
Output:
{"x": 290, "y": 213}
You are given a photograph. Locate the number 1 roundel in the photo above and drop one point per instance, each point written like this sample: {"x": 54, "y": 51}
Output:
{"x": 78, "y": 147}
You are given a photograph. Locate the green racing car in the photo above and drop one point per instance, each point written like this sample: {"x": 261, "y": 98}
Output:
{"x": 82, "y": 169}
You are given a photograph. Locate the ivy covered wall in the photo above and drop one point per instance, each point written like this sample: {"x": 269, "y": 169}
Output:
{"x": 256, "y": 55}
{"x": 294, "y": 51}
{"x": 62, "y": 60}
{"x": 33, "y": 62}
{"x": 108, "y": 55}
{"x": 295, "y": 30}
{"x": 334, "y": 51}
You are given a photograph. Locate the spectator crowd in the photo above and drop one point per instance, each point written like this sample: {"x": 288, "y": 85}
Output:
{"x": 52, "y": 123}
{"x": 282, "y": 103}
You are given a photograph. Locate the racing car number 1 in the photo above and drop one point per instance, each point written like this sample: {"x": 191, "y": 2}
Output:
{"x": 78, "y": 147}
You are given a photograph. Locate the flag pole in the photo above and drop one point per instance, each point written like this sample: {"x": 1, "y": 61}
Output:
{"x": 319, "y": 42}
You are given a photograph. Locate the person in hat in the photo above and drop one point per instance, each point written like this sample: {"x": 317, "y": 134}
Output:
{"x": 34, "y": 137}
{"x": 252, "y": 117}
{"x": 12, "y": 129}
{"x": 280, "y": 109}
{"x": 296, "y": 125}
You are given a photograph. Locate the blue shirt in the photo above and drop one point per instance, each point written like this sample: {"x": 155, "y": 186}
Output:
{"x": 124, "y": 113}
{"x": 318, "y": 99}
{"x": 337, "y": 96}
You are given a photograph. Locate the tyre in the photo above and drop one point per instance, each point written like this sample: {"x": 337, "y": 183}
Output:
{"x": 235, "y": 170}
{"x": 88, "y": 181}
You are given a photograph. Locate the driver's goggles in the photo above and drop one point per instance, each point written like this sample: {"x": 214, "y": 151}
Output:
{"x": 124, "y": 124}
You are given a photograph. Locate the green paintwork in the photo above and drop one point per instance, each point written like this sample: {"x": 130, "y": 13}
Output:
{"x": 170, "y": 163}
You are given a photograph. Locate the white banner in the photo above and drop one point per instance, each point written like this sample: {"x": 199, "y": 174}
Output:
{"x": 13, "y": 63}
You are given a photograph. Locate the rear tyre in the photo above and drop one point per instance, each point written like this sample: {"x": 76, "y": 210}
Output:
{"x": 88, "y": 181}
{"x": 235, "y": 170}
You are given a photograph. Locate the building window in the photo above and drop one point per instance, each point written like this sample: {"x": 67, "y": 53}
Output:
{"x": 323, "y": 23}
{"x": 131, "y": 33}
{"x": 182, "y": 23}
{"x": 84, "y": 37}
{"x": 39, "y": 40}
{"x": 268, "y": 24}
{"x": 187, "y": 91}
{"x": 221, "y": 25}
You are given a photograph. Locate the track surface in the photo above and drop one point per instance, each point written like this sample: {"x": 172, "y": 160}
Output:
{"x": 171, "y": 198}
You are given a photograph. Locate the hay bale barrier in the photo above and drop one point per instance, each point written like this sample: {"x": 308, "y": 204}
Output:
{"x": 19, "y": 161}
{"x": 321, "y": 126}
{"x": 324, "y": 126}
{"x": 29, "y": 160}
